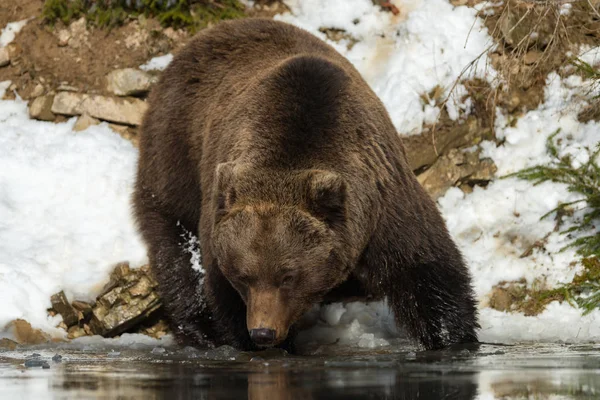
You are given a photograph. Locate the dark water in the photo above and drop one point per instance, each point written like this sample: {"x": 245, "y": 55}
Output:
{"x": 142, "y": 372}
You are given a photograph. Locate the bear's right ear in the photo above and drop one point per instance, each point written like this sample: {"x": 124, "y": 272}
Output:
{"x": 225, "y": 188}
{"x": 326, "y": 197}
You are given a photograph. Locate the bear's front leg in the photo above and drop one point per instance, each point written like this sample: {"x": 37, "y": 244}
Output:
{"x": 426, "y": 282}
{"x": 179, "y": 283}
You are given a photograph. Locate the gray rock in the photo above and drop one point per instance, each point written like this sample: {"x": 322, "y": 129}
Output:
{"x": 128, "y": 111}
{"x": 41, "y": 108}
{"x": 67, "y": 103}
{"x": 4, "y": 57}
{"x": 129, "y": 82}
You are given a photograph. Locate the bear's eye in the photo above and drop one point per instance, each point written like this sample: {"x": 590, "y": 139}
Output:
{"x": 287, "y": 280}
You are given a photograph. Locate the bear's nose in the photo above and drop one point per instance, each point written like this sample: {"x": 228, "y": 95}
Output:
{"x": 262, "y": 336}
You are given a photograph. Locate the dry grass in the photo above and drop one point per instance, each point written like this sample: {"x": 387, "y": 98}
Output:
{"x": 535, "y": 38}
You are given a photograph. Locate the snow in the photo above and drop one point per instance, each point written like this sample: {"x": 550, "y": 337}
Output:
{"x": 558, "y": 323}
{"x": 9, "y": 32}
{"x": 591, "y": 56}
{"x": 157, "y": 63}
{"x": 191, "y": 245}
{"x": 65, "y": 216}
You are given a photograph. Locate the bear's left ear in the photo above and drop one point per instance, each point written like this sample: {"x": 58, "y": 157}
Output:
{"x": 326, "y": 196}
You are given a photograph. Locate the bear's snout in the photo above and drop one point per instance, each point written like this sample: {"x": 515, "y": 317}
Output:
{"x": 263, "y": 336}
{"x": 267, "y": 316}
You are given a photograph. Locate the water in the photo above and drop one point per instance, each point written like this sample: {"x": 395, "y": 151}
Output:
{"x": 399, "y": 372}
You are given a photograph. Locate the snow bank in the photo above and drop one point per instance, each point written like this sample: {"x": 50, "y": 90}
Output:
{"x": 496, "y": 225}
{"x": 64, "y": 212}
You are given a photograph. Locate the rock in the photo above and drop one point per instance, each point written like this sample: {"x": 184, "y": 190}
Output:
{"x": 484, "y": 172}
{"x": 8, "y": 344}
{"x": 82, "y": 307}
{"x": 129, "y": 82}
{"x": 75, "y": 331}
{"x": 127, "y": 111}
{"x": 129, "y": 298}
{"x": 500, "y": 299}
{"x": 68, "y": 103}
{"x": 65, "y": 87}
{"x": 78, "y": 34}
{"x": 84, "y": 122}
{"x": 63, "y": 37}
{"x": 158, "y": 330}
{"x": 36, "y": 362}
{"x": 126, "y": 132}
{"x": 41, "y": 108}
{"x": 532, "y": 56}
{"x": 25, "y": 334}
{"x": 61, "y": 305}
{"x": 4, "y": 57}
{"x": 454, "y": 168}
{"x": 421, "y": 151}
{"x": 37, "y": 91}
{"x": 120, "y": 129}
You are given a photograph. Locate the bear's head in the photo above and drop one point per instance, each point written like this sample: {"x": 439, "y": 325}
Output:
{"x": 275, "y": 236}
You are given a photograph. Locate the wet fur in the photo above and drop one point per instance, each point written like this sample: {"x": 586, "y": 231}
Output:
{"x": 274, "y": 97}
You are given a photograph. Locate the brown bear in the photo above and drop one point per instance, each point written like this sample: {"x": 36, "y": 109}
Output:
{"x": 268, "y": 143}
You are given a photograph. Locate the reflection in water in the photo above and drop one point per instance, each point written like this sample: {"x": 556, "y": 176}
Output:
{"x": 175, "y": 382}
{"x": 510, "y": 373}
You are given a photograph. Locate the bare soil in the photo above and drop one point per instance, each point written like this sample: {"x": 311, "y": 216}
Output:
{"x": 41, "y": 55}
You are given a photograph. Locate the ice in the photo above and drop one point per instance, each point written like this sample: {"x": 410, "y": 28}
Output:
{"x": 223, "y": 353}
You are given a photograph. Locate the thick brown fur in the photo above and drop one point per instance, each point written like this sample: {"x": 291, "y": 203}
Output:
{"x": 270, "y": 146}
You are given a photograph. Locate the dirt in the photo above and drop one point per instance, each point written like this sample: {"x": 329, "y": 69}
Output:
{"x": 80, "y": 56}
{"x": 17, "y": 10}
